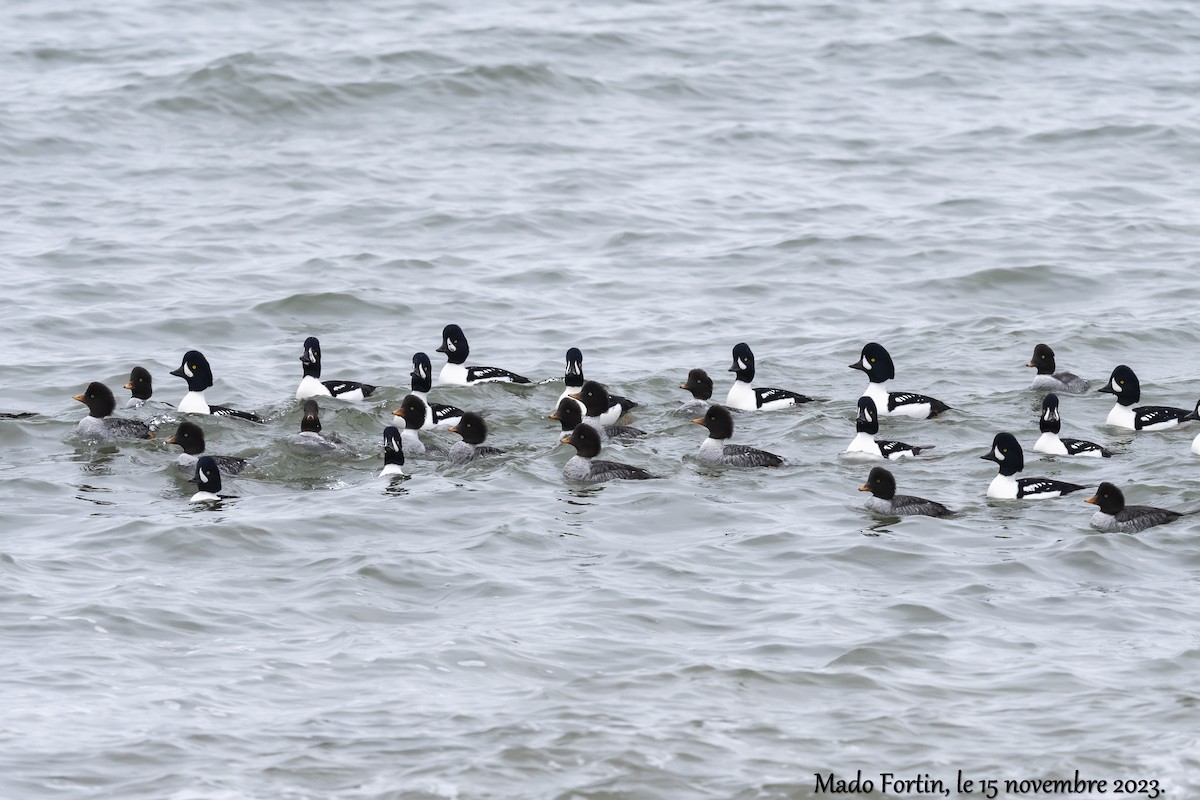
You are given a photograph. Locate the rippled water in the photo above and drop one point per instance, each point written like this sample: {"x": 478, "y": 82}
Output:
{"x": 651, "y": 182}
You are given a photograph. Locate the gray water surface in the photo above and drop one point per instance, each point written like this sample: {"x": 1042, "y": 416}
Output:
{"x": 651, "y": 182}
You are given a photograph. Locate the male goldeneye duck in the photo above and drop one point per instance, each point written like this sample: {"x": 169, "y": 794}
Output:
{"x": 881, "y": 483}
{"x": 745, "y": 397}
{"x": 473, "y": 431}
{"x": 311, "y": 384}
{"x": 573, "y": 378}
{"x": 440, "y": 414}
{"x": 208, "y": 478}
{"x": 864, "y": 441}
{"x": 596, "y": 401}
{"x": 1007, "y": 452}
{"x": 1195, "y": 415}
{"x": 1050, "y": 422}
{"x": 311, "y": 436}
{"x": 701, "y": 388}
{"x": 1048, "y": 378}
{"x": 100, "y": 424}
{"x": 140, "y": 387}
{"x": 584, "y": 466}
{"x": 1115, "y": 516}
{"x": 877, "y": 363}
{"x": 195, "y": 370}
{"x": 1125, "y": 385}
{"x": 413, "y": 412}
{"x": 713, "y": 449}
{"x": 454, "y": 345}
{"x": 190, "y": 437}
{"x": 393, "y": 452}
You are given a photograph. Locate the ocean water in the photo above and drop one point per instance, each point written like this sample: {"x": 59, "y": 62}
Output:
{"x": 651, "y": 182}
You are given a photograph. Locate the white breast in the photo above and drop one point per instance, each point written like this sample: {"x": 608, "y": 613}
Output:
{"x": 193, "y": 403}
{"x": 712, "y": 449}
{"x": 1196, "y": 445}
{"x": 1050, "y": 443}
{"x": 864, "y": 443}
{"x": 453, "y": 375}
{"x": 879, "y": 394}
{"x": 204, "y": 497}
{"x": 741, "y": 396}
{"x": 311, "y": 387}
{"x": 1121, "y": 416}
{"x": 1003, "y": 487}
{"x": 391, "y": 469}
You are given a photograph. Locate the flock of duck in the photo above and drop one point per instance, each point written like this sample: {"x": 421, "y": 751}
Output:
{"x": 590, "y": 416}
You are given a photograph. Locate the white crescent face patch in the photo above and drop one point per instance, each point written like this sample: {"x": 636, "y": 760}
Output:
{"x": 311, "y": 356}
{"x": 451, "y": 346}
{"x": 1113, "y": 384}
{"x": 996, "y": 452}
{"x": 741, "y": 363}
{"x": 866, "y": 364}
{"x": 187, "y": 370}
{"x": 203, "y": 478}
{"x": 867, "y": 416}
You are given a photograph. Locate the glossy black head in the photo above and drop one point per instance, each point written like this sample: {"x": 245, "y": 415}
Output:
{"x": 190, "y": 437}
{"x": 1109, "y": 498}
{"x": 719, "y": 422}
{"x": 393, "y": 452}
{"x": 471, "y": 428}
{"x": 594, "y": 398}
{"x": 1195, "y": 412}
{"x": 99, "y": 399}
{"x": 195, "y": 370}
{"x": 311, "y": 357}
{"x": 586, "y": 441}
{"x": 868, "y": 416}
{"x": 568, "y": 413}
{"x": 140, "y": 385}
{"x": 1050, "y": 421}
{"x": 743, "y": 362}
{"x": 574, "y": 373}
{"x": 699, "y": 384}
{"x": 454, "y": 344}
{"x": 881, "y": 483}
{"x": 208, "y": 477}
{"x": 1124, "y": 384}
{"x": 1043, "y": 359}
{"x": 1006, "y": 451}
{"x": 413, "y": 410}
{"x": 422, "y": 373}
{"x": 311, "y": 423}
{"x": 876, "y": 362}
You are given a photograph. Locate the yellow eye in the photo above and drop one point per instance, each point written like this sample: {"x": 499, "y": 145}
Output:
{"x": 192, "y": 367}
{"x": 872, "y": 361}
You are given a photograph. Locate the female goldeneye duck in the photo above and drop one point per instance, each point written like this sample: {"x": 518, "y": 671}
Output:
{"x": 881, "y": 483}
{"x": 393, "y": 452}
{"x": 454, "y": 345}
{"x": 1048, "y": 378}
{"x": 412, "y": 413}
{"x": 140, "y": 387}
{"x": 745, "y": 397}
{"x": 208, "y": 479}
{"x": 311, "y": 436}
{"x": 1050, "y": 423}
{"x": 190, "y": 437}
{"x": 865, "y": 443}
{"x": 1125, "y": 385}
{"x": 701, "y": 388}
{"x": 311, "y": 384}
{"x": 596, "y": 401}
{"x": 100, "y": 424}
{"x": 473, "y": 431}
{"x": 1007, "y": 453}
{"x": 585, "y": 467}
{"x": 195, "y": 370}
{"x": 1117, "y": 517}
{"x": 877, "y": 363}
{"x": 573, "y": 378}
{"x": 440, "y": 414}
{"x": 713, "y": 449}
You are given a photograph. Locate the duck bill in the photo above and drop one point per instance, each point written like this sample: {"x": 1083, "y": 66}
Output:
{"x": 857, "y": 365}
{"x": 129, "y": 385}
{"x": 171, "y": 441}
{"x": 565, "y": 440}
{"x": 990, "y": 457}
{"x": 1030, "y": 364}
{"x": 78, "y": 397}
{"x": 553, "y": 415}
{"x": 864, "y": 488}
{"x": 698, "y": 421}
{"x": 1106, "y": 389}
{"x": 399, "y": 412}
{"x": 178, "y": 373}
{"x": 1091, "y": 500}
{"x": 453, "y": 429}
